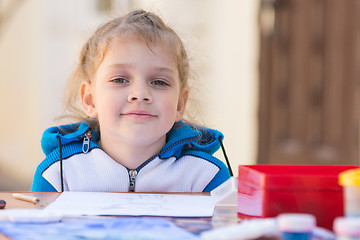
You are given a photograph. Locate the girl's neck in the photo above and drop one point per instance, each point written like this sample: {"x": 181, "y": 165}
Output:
{"x": 131, "y": 156}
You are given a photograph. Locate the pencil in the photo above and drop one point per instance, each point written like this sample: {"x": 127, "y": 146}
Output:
{"x": 25, "y": 197}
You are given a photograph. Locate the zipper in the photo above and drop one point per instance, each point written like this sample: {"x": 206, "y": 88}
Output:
{"x": 132, "y": 175}
{"x": 134, "y": 172}
{"x": 86, "y": 142}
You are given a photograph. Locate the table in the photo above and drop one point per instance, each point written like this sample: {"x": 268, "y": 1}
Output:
{"x": 223, "y": 215}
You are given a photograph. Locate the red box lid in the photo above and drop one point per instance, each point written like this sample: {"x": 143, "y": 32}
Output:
{"x": 292, "y": 176}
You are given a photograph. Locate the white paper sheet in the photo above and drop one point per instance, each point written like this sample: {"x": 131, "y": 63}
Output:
{"x": 132, "y": 204}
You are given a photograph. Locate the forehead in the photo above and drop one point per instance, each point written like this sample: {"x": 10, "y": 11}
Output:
{"x": 134, "y": 49}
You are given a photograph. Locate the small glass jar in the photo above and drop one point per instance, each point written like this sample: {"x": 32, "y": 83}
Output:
{"x": 347, "y": 228}
{"x": 296, "y": 226}
{"x": 350, "y": 180}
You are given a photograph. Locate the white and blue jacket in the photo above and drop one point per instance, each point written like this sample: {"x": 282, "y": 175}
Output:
{"x": 74, "y": 162}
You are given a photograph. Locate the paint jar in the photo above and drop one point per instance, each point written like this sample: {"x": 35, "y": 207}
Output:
{"x": 296, "y": 226}
{"x": 347, "y": 228}
{"x": 350, "y": 180}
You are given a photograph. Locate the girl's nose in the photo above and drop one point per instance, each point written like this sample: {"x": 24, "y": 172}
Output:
{"x": 141, "y": 94}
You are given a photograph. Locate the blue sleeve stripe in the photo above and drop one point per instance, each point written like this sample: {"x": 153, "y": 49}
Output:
{"x": 220, "y": 177}
{"x": 40, "y": 184}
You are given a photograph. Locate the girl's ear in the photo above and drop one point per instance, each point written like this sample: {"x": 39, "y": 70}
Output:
{"x": 183, "y": 98}
{"x": 87, "y": 99}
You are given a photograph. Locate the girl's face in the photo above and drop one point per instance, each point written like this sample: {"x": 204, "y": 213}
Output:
{"x": 136, "y": 95}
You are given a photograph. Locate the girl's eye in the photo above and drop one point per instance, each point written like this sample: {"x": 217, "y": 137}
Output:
{"x": 119, "y": 80}
{"x": 159, "y": 82}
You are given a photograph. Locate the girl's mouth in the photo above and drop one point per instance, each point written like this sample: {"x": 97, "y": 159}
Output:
{"x": 139, "y": 114}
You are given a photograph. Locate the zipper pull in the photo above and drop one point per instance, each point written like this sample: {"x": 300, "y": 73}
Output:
{"x": 86, "y": 142}
{"x": 132, "y": 175}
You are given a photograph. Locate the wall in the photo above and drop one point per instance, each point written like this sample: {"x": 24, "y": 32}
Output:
{"x": 20, "y": 107}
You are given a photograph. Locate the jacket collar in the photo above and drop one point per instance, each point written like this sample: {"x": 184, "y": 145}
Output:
{"x": 181, "y": 137}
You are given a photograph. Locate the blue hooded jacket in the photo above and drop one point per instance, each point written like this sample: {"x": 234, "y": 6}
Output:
{"x": 67, "y": 143}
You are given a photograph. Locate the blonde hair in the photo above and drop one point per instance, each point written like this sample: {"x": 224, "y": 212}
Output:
{"x": 139, "y": 23}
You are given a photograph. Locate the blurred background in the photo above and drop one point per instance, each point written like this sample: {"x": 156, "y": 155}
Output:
{"x": 280, "y": 78}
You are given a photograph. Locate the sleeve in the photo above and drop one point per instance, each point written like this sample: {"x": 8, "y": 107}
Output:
{"x": 40, "y": 184}
{"x": 219, "y": 178}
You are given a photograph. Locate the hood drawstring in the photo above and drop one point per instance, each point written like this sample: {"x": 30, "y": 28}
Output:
{"x": 226, "y": 158}
{"x": 61, "y": 164}
{"x": 85, "y": 148}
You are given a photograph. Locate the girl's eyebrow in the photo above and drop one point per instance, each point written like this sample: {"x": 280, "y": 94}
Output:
{"x": 120, "y": 65}
{"x": 164, "y": 70}
{"x": 126, "y": 65}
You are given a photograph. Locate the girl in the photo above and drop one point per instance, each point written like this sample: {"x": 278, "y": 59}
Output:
{"x": 130, "y": 90}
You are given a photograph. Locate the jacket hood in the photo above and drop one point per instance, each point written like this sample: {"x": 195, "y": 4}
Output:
{"x": 191, "y": 138}
{"x": 181, "y": 137}
{"x": 66, "y": 134}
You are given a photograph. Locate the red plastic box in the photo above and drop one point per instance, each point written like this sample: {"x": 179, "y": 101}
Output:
{"x": 268, "y": 190}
